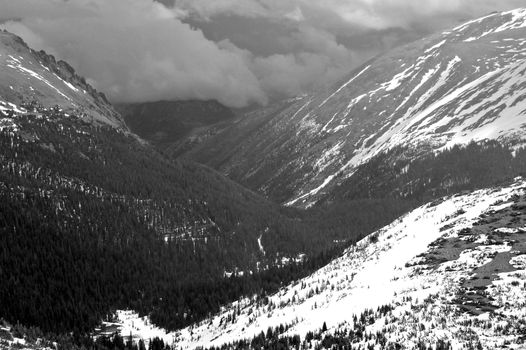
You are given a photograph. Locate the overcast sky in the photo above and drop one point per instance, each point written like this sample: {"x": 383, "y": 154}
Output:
{"x": 238, "y": 52}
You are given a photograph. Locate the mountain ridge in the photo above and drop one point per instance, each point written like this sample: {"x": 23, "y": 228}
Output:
{"x": 96, "y": 211}
{"x": 83, "y": 196}
{"x": 35, "y": 80}
{"x": 406, "y": 96}
{"x": 87, "y": 207}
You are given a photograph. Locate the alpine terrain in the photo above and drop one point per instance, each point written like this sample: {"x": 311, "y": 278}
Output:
{"x": 449, "y": 89}
{"x": 438, "y": 117}
{"x": 387, "y": 212}
{"x": 450, "y": 274}
{"x": 90, "y": 208}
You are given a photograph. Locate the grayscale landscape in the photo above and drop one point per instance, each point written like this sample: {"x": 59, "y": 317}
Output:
{"x": 258, "y": 174}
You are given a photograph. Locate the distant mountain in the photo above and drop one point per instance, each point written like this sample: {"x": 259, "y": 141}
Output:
{"x": 175, "y": 126}
{"x": 462, "y": 85}
{"x": 95, "y": 222}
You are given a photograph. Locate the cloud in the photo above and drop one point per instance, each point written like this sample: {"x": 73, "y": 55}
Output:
{"x": 318, "y": 61}
{"x": 304, "y": 44}
{"x": 238, "y": 52}
{"x": 135, "y": 50}
{"x": 372, "y": 14}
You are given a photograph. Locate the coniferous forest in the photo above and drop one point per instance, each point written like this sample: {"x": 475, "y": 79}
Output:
{"x": 93, "y": 220}
{"x": 262, "y": 176}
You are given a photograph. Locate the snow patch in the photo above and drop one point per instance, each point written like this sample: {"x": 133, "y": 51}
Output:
{"x": 379, "y": 270}
{"x": 344, "y": 86}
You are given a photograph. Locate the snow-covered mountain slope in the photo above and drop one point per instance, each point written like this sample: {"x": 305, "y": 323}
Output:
{"x": 451, "y": 270}
{"x": 33, "y": 80}
{"x": 451, "y": 88}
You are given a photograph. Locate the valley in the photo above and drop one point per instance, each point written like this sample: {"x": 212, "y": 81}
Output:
{"x": 448, "y": 89}
{"x": 136, "y": 227}
{"x": 408, "y": 283}
{"x": 387, "y": 211}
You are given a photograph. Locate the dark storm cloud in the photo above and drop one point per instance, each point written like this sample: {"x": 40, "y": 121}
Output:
{"x": 135, "y": 50}
{"x": 236, "y": 51}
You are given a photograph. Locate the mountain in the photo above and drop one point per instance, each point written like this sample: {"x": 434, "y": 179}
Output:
{"x": 90, "y": 208}
{"x": 174, "y": 126}
{"x": 450, "y": 273}
{"x": 94, "y": 218}
{"x": 102, "y": 232}
{"x": 31, "y": 79}
{"x": 440, "y": 117}
{"x": 452, "y": 88}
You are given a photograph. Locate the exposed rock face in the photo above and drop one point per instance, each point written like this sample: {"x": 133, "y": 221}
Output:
{"x": 31, "y": 78}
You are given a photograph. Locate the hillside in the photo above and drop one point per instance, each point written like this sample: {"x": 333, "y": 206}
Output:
{"x": 31, "y": 79}
{"x": 387, "y": 212}
{"x": 448, "y": 89}
{"x": 449, "y": 273}
{"x": 88, "y": 207}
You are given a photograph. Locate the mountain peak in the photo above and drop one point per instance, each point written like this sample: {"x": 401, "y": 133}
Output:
{"x": 30, "y": 78}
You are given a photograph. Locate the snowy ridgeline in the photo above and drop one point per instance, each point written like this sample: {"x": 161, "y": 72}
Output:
{"x": 390, "y": 267}
{"x": 458, "y": 88}
{"x": 27, "y": 76}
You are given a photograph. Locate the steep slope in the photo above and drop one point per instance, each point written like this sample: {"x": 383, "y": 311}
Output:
{"x": 450, "y": 272}
{"x": 93, "y": 218}
{"x": 174, "y": 126}
{"x": 31, "y": 80}
{"x": 458, "y": 86}
{"x": 89, "y": 208}
{"x": 397, "y": 175}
